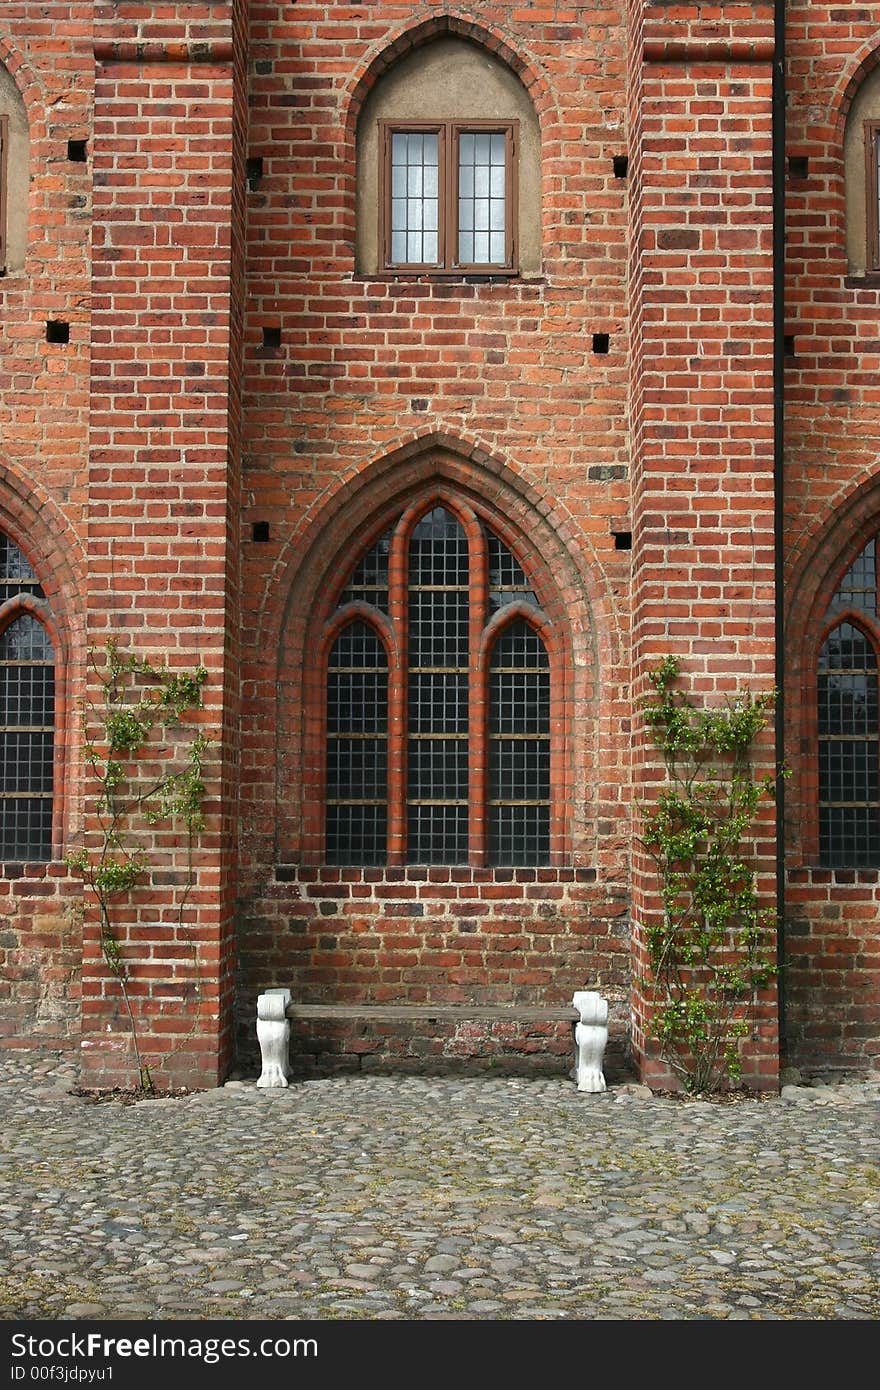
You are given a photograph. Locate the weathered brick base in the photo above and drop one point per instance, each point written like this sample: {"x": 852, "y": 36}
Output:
{"x": 434, "y": 935}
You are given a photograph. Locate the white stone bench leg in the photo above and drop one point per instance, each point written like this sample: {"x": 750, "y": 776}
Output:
{"x": 273, "y": 1032}
{"x": 590, "y": 1037}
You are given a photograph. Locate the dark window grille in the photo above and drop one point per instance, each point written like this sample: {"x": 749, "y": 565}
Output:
{"x": 507, "y": 580}
{"x": 27, "y": 718}
{"x": 357, "y": 748}
{"x": 369, "y": 579}
{"x": 439, "y": 662}
{"x": 519, "y": 748}
{"x": 438, "y": 817}
{"x": 858, "y": 588}
{"x": 16, "y": 575}
{"x": 849, "y": 745}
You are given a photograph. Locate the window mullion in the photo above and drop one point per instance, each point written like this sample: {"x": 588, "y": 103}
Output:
{"x": 478, "y": 700}
{"x": 872, "y": 194}
{"x": 511, "y": 195}
{"x": 397, "y": 696}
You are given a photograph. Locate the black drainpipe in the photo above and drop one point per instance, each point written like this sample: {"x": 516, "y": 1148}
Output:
{"x": 778, "y": 480}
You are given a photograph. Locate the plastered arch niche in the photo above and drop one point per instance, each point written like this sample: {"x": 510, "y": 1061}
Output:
{"x": 15, "y": 193}
{"x": 444, "y": 80}
{"x": 865, "y": 108}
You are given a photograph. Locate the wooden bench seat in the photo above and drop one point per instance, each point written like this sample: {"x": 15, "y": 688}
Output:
{"x": 402, "y": 1013}
{"x": 587, "y": 1013}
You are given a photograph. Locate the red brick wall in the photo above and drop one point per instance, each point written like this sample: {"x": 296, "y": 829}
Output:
{"x": 702, "y": 459}
{"x": 43, "y": 446}
{"x": 832, "y": 449}
{"x": 138, "y": 515}
{"x": 436, "y": 935}
{"x": 164, "y": 461}
{"x": 383, "y": 388}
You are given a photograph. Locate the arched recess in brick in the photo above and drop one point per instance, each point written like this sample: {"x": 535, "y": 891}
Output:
{"x": 573, "y": 596}
{"x": 407, "y": 39}
{"x": 34, "y": 524}
{"x": 14, "y": 174}
{"x": 25, "y": 81}
{"x": 362, "y": 92}
{"x": 826, "y": 136}
{"x": 824, "y": 557}
{"x": 857, "y": 117}
{"x": 860, "y": 66}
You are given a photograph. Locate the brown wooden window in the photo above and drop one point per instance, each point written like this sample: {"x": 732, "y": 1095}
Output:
{"x": 448, "y": 196}
{"x": 4, "y": 167}
{"x": 439, "y": 689}
{"x": 872, "y": 192}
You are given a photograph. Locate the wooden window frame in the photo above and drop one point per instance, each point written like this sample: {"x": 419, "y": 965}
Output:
{"x": 4, "y": 190}
{"x": 872, "y": 194}
{"x": 449, "y": 133}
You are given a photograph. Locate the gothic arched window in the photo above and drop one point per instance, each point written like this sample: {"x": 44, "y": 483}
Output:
{"x": 438, "y": 701}
{"x": 848, "y": 722}
{"x": 27, "y": 715}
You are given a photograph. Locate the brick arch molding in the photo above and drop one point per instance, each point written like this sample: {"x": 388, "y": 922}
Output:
{"x": 311, "y": 552}
{"x": 576, "y": 604}
{"x": 27, "y": 84}
{"x": 861, "y": 66}
{"x": 435, "y": 26}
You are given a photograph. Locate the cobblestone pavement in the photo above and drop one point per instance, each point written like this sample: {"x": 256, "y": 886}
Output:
{"x": 435, "y": 1197}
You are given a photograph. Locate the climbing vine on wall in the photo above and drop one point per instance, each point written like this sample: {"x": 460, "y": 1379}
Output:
{"x": 711, "y": 951}
{"x": 144, "y": 782}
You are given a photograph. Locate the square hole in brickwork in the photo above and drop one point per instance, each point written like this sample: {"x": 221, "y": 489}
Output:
{"x": 77, "y": 151}
{"x": 601, "y": 343}
{"x": 271, "y": 337}
{"x": 623, "y": 540}
{"x": 621, "y": 165}
{"x": 798, "y": 166}
{"x": 57, "y": 331}
{"x": 254, "y": 171}
{"x": 260, "y": 531}
{"x": 789, "y": 346}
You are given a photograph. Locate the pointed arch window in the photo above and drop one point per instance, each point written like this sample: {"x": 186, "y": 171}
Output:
{"x": 848, "y": 720}
{"x": 438, "y": 737}
{"x": 27, "y": 716}
{"x": 357, "y": 747}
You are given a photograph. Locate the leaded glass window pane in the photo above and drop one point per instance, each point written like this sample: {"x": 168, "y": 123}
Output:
{"x": 439, "y": 659}
{"x": 16, "y": 575}
{"x": 482, "y": 199}
{"x": 415, "y": 197}
{"x": 357, "y": 748}
{"x": 507, "y": 580}
{"x": 519, "y": 748}
{"x": 27, "y": 720}
{"x": 849, "y": 746}
{"x": 369, "y": 579}
{"x": 858, "y": 588}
